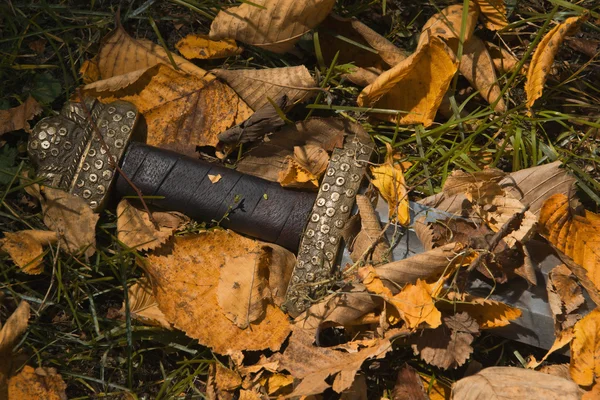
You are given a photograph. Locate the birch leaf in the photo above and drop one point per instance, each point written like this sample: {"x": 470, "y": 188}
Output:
{"x": 143, "y": 305}
{"x": 543, "y": 57}
{"x": 26, "y": 248}
{"x": 493, "y": 13}
{"x": 487, "y": 313}
{"x": 415, "y": 86}
{"x": 200, "y": 47}
{"x": 416, "y": 305}
{"x": 585, "y": 350}
{"x": 257, "y": 86}
{"x": 274, "y": 25}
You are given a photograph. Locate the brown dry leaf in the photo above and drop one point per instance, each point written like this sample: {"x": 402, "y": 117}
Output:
{"x": 474, "y": 185}
{"x": 214, "y": 178}
{"x": 415, "y": 86}
{"x": 438, "y": 390}
{"x": 135, "y": 229}
{"x": 448, "y": 346}
{"x": 358, "y": 390}
{"x": 226, "y": 379}
{"x": 12, "y": 329}
{"x": 143, "y": 305}
{"x": 504, "y": 61}
{"x": 179, "y": 108}
{"x": 447, "y": 25}
{"x": 577, "y": 236}
{"x": 72, "y": 219}
{"x": 26, "y": 248}
{"x": 370, "y": 232}
{"x": 409, "y": 385}
{"x": 585, "y": 350}
{"x": 498, "y": 383}
{"x": 274, "y": 25}
{"x": 38, "y": 383}
{"x": 388, "y": 178}
{"x": 562, "y": 339}
{"x": 427, "y": 265}
{"x": 500, "y": 209}
{"x": 120, "y": 54}
{"x": 369, "y": 64}
{"x": 89, "y": 71}
{"x": 17, "y": 117}
{"x": 487, "y": 313}
{"x": 243, "y": 293}
{"x": 416, "y": 305}
{"x": 372, "y": 282}
{"x": 544, "y": 54}
{"x": 562, "y": 281}
{"x": 268, "y": 159}
{"x": 187, "y": 295}
{"x": 493, "y": 13}
{"x": 304, "y": 168}
{"x": 314, "y": 364}
{"x": 281, "y": 263}
{"x": 276, "y": 383}
{"x": 202, "y": 48}
{"x": 477, "y": 66}
{"x": 257, "y": 86}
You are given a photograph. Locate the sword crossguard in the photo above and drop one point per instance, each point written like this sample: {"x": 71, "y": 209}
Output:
{"x": 67, "y": 151}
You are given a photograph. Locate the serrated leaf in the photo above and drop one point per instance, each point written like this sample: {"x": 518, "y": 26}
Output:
{"x": 585, "y": 350}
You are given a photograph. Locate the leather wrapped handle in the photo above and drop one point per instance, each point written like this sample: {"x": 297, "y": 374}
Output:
{"x": 253, "y": 206}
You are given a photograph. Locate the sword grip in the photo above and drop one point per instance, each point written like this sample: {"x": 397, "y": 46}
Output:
{"x": 243, "y": 203}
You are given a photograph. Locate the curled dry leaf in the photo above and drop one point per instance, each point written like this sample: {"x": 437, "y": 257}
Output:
{"x": 226, "y": 379}
{"x": 577, "y": 236}
{"x": 497, "y": 383}
{"x": 448, "y": 346}
{"x": 544, "y": 54}
{"x": 135, "y": 229}
{"x": 304, "y": 168}
{"x": 89, "y": 71}
{"x": 257, "y": 86}
{"x": 370, "y": 233}
{"x": 562, "y": 282}
{"x": 477, "y": 66}
{"x": 202, "y": 48}
{"x": 504, "y": 61}
{"x": 389, "y": 180}
{"x": 12, "y": 329}
{"x": 26, "y": 248}
{"x": 447, "y": 25}
{"x": 415, "y": 87}
{"x": 409, "y": 385}
{"x": 38, "y": 383}
{"x": 72, "y": 219}
{"x": 474, "y": 185}
{"x": 143, "y": 305}
{"x": 585, "y": 350}
{"x": 268, "y": 159}
{"x": 274, "y": 25}
{"x": 188, "y": 295}
{"x": 120, "y": 54}
{"x": 493, "y": 13}
{"x": 17, "y": 117}
{"x": 500, "y": 210}
{"x": 416, "y": 305}
{"x": 487, "y": 313}
{"x": 179, "y": 108}
{"x": 562, "y": 339}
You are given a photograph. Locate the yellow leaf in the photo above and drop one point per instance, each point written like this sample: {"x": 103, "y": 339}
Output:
{"x": 447, "y": 25}
{"x": 202, "y": 48}
{"x": 493, "y": 13}
{"x": 179, "y": 109}
{"x": 504, "y": 61}
{"x": 562, "y": 339}
{"x": 274, "y": 25}
{"x": 389, "y": 180}
{"x": 372, "y": 282}
{"x": 487, "y": 313}
{"x": 585, "y": 350}
{"x": 89, "y": 71}
{"x": 214, "y": 178}
{"x": 187, "y": 294}
{"x": 38, "y": 383}
{"x": 577, "y": 236}
{"x": 135, "y": 229}
{"x": 16, "y": 118}
{"x": 415, "y": 87}
{"x": 143, "y": 305}
{"x": 416, "y": 306}
{"x": 226, "y": 379}
{"x": 544, "y": 54}
{"x": 295, "y": 175}
{"x": 437, "y": 390}
{"x": 121, "y": 54}
{"x": 25, "y": 248}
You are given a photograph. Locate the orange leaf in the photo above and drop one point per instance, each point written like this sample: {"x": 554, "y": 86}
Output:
{"x": 493, "y": 13}
{"x": 415, "y": 86}
{"x": 544, "y": 57}
{"x": 202, "y": 48}
{"x": 25, "y": 248}
{"x": 39, "y": 383}
{"x": 487, "y": 313}
{"x": 416, "y": 306}
{"x": 447, "y": 25}
{"x": 585, "y": 350}
{"x": 389, "y": 180}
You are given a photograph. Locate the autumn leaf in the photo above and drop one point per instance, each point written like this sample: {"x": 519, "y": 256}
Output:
{"x": 72, "y": 219}
{"x": 89, "y": 71}
{"x": 585, "y": 350}
{"x": 544, "y": 54}
{"x": 257, "y": 86}
{"x": 143, "y": 305}
{"x": 500, "y": 209}
{"x": 26, "y": 248}
{"x": 577, "y": 236}
{"x": 497, "y": 383}
{"x": 409, "y": 385}
{"x": 38, "y": 383}
{"x": 202, "y": 48}
{"x": 304, "y": 168}
{"x": 493, "y": 13}
{"x": 389, "y": 180}
{"x": 369, "y": 237}
{"x": 447, "y": 25}
{"x": 178, "y": 108}
{"x": 17, "y": 118}
{"x": 564, "y": 297}
{"x": 415, "y": 87}
{"x": 504, "y": 61}
{"x": 274, "y": 25}
{"x": 448, "y": 346}
{"x": 10, "y": 333}
{"x": 120, "y": 54}
{"x": 487, "y": 313}
{"x": 416, "y": 306}
{"x": 135, "y": 229}
{"x": 188, "y": 295}
{"x": 226, "y": 379}
{"x": 562, "y": 339}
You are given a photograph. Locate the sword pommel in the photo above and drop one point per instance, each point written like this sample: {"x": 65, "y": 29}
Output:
{"x": 66, "y": 149}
